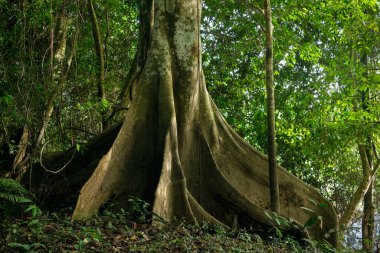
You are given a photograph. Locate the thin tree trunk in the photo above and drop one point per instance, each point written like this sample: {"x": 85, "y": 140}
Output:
{"x": 368, "y": 176}
{"x": 368, "y": 220}
{"x": 369, "y": 170}
{"x": 273, "y": 178}
{"x": 100, "y": 56}
{"x": 22, "y": 149}
{"x": 57, "y": 71}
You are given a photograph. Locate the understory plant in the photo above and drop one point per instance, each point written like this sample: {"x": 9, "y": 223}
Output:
{"x": 15, "y": 199}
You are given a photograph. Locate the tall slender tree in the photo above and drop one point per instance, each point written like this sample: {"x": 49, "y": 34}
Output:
{"x": 269, "y": 80}
{"x": 99, "y": 49}
{"x": 368, "y": 220}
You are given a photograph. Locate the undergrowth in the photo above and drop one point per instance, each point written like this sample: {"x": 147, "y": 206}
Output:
{"x": 122, "y": 231}
{"x": 15, "y": 200}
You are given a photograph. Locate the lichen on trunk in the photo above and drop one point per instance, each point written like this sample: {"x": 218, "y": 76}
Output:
{"x": 176, "y": 151}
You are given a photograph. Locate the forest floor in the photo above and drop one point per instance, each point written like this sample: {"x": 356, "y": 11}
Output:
{"x": 130, "y": 232}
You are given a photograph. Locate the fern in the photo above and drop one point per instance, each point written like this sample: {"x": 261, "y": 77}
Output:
{"x": 12, "y": 196}
{"x": 12, "y": 187}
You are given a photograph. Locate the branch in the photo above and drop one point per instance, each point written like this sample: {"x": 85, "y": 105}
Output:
{"x": 375, "y": 151}
{"x": 81, "y": 130}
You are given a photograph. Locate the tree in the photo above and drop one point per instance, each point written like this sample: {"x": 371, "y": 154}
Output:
{"x": 361, "y": 81}
{"x": 60, "y": 64}
{"x": 175, "y": 150}
{"x": 273, "y": 180}
{"x": 316, "y": 83}
{"x": 368, "y": 220}
{"x": 99, "y": 54}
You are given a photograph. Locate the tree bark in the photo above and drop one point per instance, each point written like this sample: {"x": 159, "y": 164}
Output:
{"x": 144, "y": 39}
{"x": 368, "y": 220}
{"x": 176, "y": 152}
{"x": 273, "y": 180}
{"x": 368, "y": 177}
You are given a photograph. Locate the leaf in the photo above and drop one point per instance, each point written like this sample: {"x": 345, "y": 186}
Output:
{"x": 307, "y": 210}
{"x": 312, "y": 221}
{"x": 313, "y": 202}
{"x": 278, "y": 232}
{"x": 29, "y": 208}
{"x": 323, "y": 205}
{"x": 35, "y": 211}
{"x": 19, "y": 245}
{"x": 38, "y": 245}
{"x": 268, "y": 215}
{"x": 33, "y": 222}
{"x": 6, "y": 99}
{"x": 14, "y": 198}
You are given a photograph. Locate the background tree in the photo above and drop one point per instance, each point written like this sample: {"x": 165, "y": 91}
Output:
{"x": 273, "y": 181}
{"x": 100, "y": 56}
{"x": 314, "y": 89}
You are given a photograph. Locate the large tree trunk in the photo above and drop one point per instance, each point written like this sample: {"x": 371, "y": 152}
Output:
{"x": 175, "y": 150}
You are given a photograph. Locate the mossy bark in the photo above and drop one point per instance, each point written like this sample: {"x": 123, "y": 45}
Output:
{"x": 175, "y": 151}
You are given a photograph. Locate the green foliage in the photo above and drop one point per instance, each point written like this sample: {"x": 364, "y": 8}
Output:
{"x": 26, "y": 69}
{"x": 34, "y": 211}
{"x": 5, "y": 99}
{"x": 26, "y": 247}
{"x": 15, "y": 198}
{"x": 89, "y": 235}
{"x": 12, "y": 196}
{"x": 319, "y": 77}
{"x": 139, "y": 210}
{"x": 281, "y": 223}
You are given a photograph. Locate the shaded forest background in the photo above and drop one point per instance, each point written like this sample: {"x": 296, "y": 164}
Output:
{"x": 63, "y": 66}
